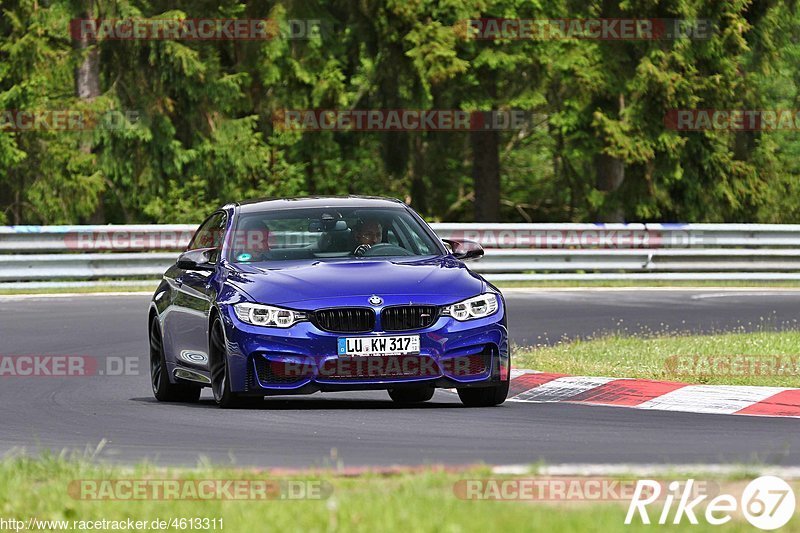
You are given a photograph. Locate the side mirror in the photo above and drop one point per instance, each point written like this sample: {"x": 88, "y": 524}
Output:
{"x": 465, "y": 250}
{"x": 200, "y": 259}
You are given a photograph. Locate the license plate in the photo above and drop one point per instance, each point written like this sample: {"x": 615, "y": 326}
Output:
{"x": 386, "y": 345}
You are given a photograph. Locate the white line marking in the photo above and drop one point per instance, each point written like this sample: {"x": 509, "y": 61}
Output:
{"x": 561, "y": 389}
{"x": 710, "y": 398}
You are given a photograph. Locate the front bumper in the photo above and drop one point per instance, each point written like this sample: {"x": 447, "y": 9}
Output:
{"x": 303, "y": 359}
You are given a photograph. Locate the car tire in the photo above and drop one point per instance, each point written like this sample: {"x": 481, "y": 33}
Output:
{"x": 220, "y": 375}
{"x": 163, "y": 390}
{"x": 485, "y": 396}
{"x": 411, "y": 395}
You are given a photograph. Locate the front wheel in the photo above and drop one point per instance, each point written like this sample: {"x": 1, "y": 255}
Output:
{"x": 163, "y": 390}
{"x": 220, "y": 372}
{"x": 412, "y": 395}
{"x": 484, "y": 397}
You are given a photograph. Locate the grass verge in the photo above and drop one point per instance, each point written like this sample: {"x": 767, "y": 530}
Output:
{"x": 700, "y": 284}
{"x": 420, "y": 501}
{"x": 80, "y": 290}
{"x": 761, "y": 358}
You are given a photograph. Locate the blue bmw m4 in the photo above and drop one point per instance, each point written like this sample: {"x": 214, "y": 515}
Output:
{"x": 300, "y": 295}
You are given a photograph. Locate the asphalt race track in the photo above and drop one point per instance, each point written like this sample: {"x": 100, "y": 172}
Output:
{"x": 544, "y": 317}
{"x": 367, "y": 428}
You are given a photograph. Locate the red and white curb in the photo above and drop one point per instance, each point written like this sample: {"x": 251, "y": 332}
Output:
{"x": 743, "y": 471}
{"x": 542, "y": 387}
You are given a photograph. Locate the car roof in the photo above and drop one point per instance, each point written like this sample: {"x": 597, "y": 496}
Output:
{"x": 299, "y": 202}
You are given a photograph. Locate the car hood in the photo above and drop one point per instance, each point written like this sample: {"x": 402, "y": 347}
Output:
{"x": 438, "y": 280}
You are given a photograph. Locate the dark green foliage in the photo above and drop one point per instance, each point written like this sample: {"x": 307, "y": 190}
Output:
{"x": 596, "y": 148}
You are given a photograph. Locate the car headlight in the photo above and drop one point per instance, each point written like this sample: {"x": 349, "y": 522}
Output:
{"x": 476, "y": 307}
{"x": 267, "y": 315}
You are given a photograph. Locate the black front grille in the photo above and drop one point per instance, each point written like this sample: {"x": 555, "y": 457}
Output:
{"x": 277, "y": 372}
{"x": 407, "y": 317}
{"x": 345, "y": 319}
{"x": 469, "y": 365}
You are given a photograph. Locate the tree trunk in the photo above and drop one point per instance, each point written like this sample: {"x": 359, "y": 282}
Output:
{"x": 486, "y": 174}
{"x": 419, "y": 192}
{"x": 311, "y": 183}
{"x": 610, "y": 175}
{"x": 87, "y": 74}
{"x": 18, "y": 201}
{"x": 486, "y": 160}
{"x": 87, "y": 87}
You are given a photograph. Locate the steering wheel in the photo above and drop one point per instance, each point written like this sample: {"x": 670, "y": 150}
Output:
{"x": 383, "y": 249}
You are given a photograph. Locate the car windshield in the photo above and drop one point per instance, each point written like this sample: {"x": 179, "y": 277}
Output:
{"x": 328, "y": 233}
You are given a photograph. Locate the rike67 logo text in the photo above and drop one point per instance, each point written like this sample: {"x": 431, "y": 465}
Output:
{"x": 767, "y": 502}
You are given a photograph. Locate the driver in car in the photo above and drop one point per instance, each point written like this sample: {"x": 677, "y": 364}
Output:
{"x": 367, "y": 233}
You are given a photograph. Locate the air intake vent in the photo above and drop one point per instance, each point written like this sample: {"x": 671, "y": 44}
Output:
{"x": 276, "y": 372}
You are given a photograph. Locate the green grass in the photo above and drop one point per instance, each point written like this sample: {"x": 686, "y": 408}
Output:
{"x": 673, "y": 358}
{"x": 588, "y": 284}
{"x": 422, "y": 501}
{"x": 80, "y": 290}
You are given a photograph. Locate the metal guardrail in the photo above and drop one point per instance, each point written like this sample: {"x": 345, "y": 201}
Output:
{"x": 126, "y": 237}
{"x": 55, "y": 254}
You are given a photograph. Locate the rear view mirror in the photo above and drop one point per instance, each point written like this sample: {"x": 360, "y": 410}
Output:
{"x": 464, "y": 250}
{"x": 330, "y": 222}
{"x": 200, "y": 259}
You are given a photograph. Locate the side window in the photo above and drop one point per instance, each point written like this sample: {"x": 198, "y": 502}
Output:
{"x": 392, "y": 238}
{"x": 210, "y": 233}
